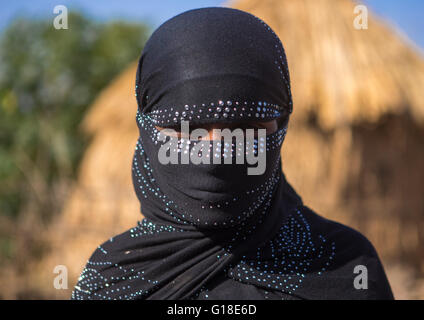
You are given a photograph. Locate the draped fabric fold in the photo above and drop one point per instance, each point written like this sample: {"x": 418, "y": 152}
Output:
{"x": 212, "y": 230}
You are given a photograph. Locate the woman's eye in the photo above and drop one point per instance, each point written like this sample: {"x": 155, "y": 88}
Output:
{"x": 245, "y": 126}
{"x": 252, "y": 126}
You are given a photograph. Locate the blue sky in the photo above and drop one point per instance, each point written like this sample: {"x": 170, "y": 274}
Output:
{"x": 406, "y": 15}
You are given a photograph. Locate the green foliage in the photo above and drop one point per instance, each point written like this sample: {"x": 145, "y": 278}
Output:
{"x": 48, "y": 78}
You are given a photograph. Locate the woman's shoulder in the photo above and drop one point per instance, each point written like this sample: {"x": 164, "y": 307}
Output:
{"x": 344, "y": 235}
{"x": 354, "y": 253}
{"x": 115, "y": 245}
{"x": 99, "y": 267}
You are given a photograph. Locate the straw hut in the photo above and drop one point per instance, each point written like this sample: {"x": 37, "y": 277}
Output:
{"x": 353, "y": 151}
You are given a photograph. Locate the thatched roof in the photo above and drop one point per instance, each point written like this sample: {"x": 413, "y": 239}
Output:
{"x": 340, "y": 74}
{"x": 116, "y": 106}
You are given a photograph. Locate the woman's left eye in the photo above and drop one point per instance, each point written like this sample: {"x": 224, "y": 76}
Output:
{"x": 248, "y": 126}
{"x": 253, "y": 126}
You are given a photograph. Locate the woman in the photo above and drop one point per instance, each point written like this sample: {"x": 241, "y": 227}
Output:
{"x": 213, "y": 231}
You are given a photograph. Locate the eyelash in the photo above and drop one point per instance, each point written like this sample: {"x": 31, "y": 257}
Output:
{"x": 252, "y": 126}
{"x": 241, "y": 126}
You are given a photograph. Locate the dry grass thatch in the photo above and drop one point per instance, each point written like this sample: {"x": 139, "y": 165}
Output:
{"x": 340, "y": 74}
{"x": 353, "y": 150}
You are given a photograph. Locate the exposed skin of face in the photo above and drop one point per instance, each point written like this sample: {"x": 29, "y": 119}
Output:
{"x": 270, "y": 126}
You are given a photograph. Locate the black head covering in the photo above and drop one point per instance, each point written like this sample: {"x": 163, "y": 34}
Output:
{"x": 211, "y": 229}
{"x": 208, "y": 64}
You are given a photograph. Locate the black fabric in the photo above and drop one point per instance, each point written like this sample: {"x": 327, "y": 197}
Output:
{"x": 205, "y": 56}
{"x": 210, "y": 231}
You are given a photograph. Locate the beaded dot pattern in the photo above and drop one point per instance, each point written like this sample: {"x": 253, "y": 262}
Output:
{"x": 282, "y": 264}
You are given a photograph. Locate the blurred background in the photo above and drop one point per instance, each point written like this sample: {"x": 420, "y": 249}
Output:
{"x": 354, "y": 151}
